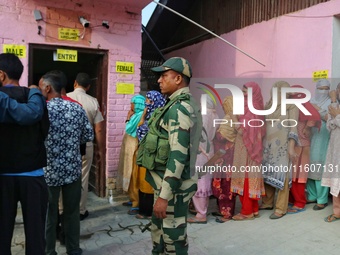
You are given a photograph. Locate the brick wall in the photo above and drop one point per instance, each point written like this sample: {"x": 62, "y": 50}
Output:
{"x": 122, "y": 40}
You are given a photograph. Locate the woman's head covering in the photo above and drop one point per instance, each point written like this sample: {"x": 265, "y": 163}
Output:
{"x": 321, "y": 98}
{"x": 315, "y": 114}
{"x": 257, "y": 98}
{"x": 277, "y": 113}
{"x": 226, "y": 130}
{"x": 253, "y": 133}
{"x": 210, "y": 103}
{"x": 228, "y": 105}
{"x": 139, "y": 104}
{"x": 157, "y": 100}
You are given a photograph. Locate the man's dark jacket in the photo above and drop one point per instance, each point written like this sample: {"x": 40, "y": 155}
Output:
{"x": 22, "y": 148}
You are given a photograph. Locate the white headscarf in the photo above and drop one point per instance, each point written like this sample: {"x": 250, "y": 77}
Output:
{"x": 321, "y": 98}
{"x": 206, "y": 145}
{"x": 210, "y": 102}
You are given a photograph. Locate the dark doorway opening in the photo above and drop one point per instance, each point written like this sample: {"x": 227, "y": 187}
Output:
{"x": 91, "y": 61}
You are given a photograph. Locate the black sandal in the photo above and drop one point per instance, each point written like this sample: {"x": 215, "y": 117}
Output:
{"x": 216, "y": 214}
{"x": 133, "y": 211}
{"x": 127, "y": 203}
{"x": 221, "y": 220}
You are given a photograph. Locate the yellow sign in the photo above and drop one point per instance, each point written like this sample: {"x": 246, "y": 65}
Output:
{"x": 67, "y": 55}
{"x": 125, "y": 88}
{"x": 125, "y": 67}
{"x": 317, "y": 75}
{"x": 19, "y": 50}
{"x": 68, "y": 34}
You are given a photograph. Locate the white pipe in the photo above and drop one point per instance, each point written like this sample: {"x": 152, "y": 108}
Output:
{"x": 219, "y": 37}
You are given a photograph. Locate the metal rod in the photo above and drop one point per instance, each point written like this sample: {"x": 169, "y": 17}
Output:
{"x": 152, "y": 42}
{"x": 177, "y": 46}
{"x": 200, "y": 26}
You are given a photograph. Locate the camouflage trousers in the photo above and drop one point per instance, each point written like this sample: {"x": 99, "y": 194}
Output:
{"x": 169, "y": 235}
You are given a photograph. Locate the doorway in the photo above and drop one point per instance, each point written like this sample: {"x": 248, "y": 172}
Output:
{"x": 91, "y": 61}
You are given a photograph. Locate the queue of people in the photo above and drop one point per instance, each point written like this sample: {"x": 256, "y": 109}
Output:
{"x": 305, "y": 146}
{"x": 294, "y": 146}
{"x": 166, "y": 138}
{"x": 41, "y": 158}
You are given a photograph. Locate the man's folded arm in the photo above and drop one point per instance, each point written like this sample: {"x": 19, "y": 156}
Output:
{"x": 22, "y": 113}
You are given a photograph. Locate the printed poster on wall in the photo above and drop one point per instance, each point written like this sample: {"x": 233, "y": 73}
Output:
{"x": 125, "y": 67}
{"x": 125, "y": 88}
{"x": 65, "y": 55}
{"x": 322, "y": 74}
{"x": 68, "y": 34}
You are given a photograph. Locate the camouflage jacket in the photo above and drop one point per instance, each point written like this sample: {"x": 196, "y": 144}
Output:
{"x": 181, "y": 121}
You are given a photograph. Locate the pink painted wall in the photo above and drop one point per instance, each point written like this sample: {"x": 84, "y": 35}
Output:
{"x": 122, "y": 40}
{"x": 291, "y": 47}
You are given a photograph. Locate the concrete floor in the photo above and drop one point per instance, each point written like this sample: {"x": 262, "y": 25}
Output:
{"x": 110, "y": 230}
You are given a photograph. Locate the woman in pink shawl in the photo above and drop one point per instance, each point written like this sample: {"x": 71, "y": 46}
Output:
{"x": 247, "y": 180}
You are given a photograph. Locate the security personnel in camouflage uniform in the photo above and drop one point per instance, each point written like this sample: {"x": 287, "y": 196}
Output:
{"x": 174, "y": 140}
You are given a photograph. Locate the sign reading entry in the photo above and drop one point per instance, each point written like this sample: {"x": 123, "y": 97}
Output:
{"x": 125, "y": 67}
{"x": 68, "y": 34}
{"x": 18, "y": 50}
{"x": 66, "y": 55}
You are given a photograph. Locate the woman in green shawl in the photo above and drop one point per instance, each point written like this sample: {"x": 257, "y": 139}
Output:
{"x": 126, "y": 180}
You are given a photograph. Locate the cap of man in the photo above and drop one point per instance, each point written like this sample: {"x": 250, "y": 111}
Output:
{"x": 177, "y": 64}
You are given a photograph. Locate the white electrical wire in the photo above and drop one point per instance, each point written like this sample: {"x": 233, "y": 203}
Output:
{"x": 82, "y": 34}
{"x": 219, "y": 37}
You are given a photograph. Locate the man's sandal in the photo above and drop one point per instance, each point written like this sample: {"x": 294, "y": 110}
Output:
{"x": 275, "y": 216}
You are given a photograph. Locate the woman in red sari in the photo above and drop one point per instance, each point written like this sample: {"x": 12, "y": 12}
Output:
{"x": 247, "y": 180}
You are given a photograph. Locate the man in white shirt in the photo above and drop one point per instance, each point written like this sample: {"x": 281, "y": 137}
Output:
{"x": 91, "y": 107}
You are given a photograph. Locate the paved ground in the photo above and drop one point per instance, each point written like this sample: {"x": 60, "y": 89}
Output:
{"x": 110, "y": 230}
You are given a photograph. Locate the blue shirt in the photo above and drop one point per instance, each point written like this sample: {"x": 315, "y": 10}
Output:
{"x": 69, "y": 127}
{"x": 24, "y": 114}
{"x": 35, "y": 173}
